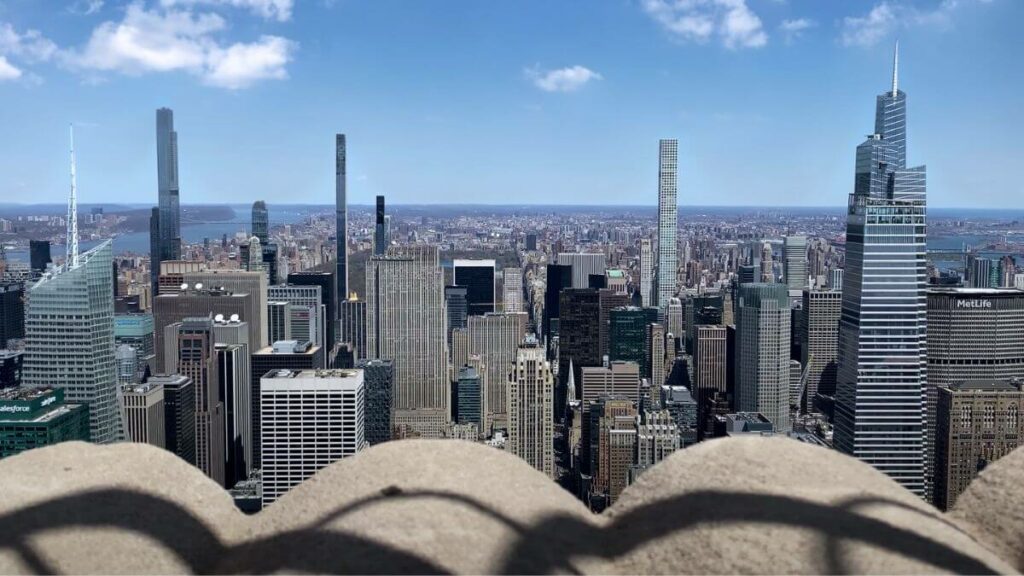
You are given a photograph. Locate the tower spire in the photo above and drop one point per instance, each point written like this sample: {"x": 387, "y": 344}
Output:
{"x": 895, "y": 68}
{"x": 72, "y": 240}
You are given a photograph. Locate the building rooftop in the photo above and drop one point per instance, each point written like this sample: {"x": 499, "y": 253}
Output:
{"x": 988, "y": 386}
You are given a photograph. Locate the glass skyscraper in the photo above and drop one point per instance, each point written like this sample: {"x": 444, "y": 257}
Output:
{"x": 883, "y": 327}
{"x": 69, "y": 339}
{"x": 341, "y": 219}
{"x": 668, "y": 222}
{"x": 165, "y": 236}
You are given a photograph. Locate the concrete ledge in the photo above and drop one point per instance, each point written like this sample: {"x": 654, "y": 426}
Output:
{"x": 751, "y": 505}
{"x": 992, "y": 508}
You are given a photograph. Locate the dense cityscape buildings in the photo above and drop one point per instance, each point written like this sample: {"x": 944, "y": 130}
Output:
{"x": 592, "y": 342}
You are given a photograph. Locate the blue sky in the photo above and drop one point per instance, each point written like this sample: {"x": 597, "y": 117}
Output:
{"x": 557, "y": 102}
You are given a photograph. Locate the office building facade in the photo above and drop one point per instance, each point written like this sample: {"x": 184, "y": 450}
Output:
{"x": 977, "y": 422}
{"x": 819, "y": 342}
{"x": 310, "y": 419}
{"x": 762, "y": 353}
{"x": 882, "y": 356}
{"x": 145, "y": 414}
{"x": 478, "y": 278}
{"x": 405, "y": 315}
{"x": 69, "y": 340}
{"x": 33, "y": 417}
{"x": 668, "y": 221}
{"x": 530, "y": 395}
{"x": 512, "y": 290}
{"x": 179, "y": 414}
{"x": 794, "y": 262}
{"x": 379, "y": 383}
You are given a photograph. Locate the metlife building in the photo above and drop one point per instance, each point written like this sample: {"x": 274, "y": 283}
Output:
{"x": 34, "y": 417}
{"x": 974, "y": 334}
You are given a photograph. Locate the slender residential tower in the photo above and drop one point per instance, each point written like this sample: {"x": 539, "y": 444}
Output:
{"x": 668, "y": 223}
{"x": 168, "y": 225}
{"x": 341, "y": 219}
{"x": 882, "y": 352}
{"x": 380, "y": 232}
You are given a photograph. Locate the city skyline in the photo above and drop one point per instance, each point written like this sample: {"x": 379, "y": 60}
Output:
{"x": 728, "y": 105}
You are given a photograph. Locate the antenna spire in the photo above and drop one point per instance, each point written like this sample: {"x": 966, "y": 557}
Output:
{"x": 895, "y": 69}
{"x": 72, "y": 240}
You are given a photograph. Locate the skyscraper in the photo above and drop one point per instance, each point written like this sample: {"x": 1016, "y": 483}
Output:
{"x": 668, "y": 222}
{"x": 405, "y": 316}
{"x": 646, "y": 272}
{"x": 328, "y": 294}
{"x": 819, "y": 341}
{"x": 69, "y": 339}
{"x": 762, "y": 354}
{"x": 179, "y": 415}
{"x": 197, "y": 359}
{"x": 558, "y": 277}
{"x": 310, "y": 420}
{"x": 709, "y": 362}
{"x": 144, "y": 414}
{"x": 883, "y": 328}
{"x": 977, "y": 422}
{"x": 260, "y": 222}
{"x": 512, "y": 290}
{"x": 478, "y": 278}
{"x": 628, "y": 335}
{"x": 469, "y": 394}
{"x": 794, "y": 262}
{"x": 168, "y": 221}
{"x": 583, "y": 265}
{"x": 12, "y": 311}
{"x": 975, "y": 335}
{"x": 380, "y": 231}
{"x": 578, "y": 340}
{"x": 39, "y": 254}
{"x": 341, "y": 221}
{"x": 495, "y": 338}
{"x": 379, "y": 382}
{"x": 457, "y": 309}
{"x": 288, "y": 355}
{"x": 531, "y": 434}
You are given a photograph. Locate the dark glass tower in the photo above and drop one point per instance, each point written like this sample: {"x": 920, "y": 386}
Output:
{"x": 882, "y": 355}
{"x": 478, "y": 278}
{"x": 380, "y": 233}
{"x": 167, "y": 235}
{"x": 260, "y": 222}
{"x": 559, "y": 277}
{"x": 39, "y": 254}
{"x": 341, "y": 220}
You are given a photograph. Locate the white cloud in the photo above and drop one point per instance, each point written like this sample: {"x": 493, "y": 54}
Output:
{"x": 735, "y": 24}
{"x": 8, "y": 71}
{"x": 86, "y": 7}
{"x": 562, "y": 79}
{"x": 793, "y": 29}
{"x": 31, "y": 45}
{"x": 868, "y": 30}
{"x": 280, "y": 10}
{"x": 240, "y": 65}
{"x": 179, "y": 40}
{"x": 888, "y": 16}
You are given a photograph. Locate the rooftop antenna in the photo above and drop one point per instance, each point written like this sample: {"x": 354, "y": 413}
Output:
{"x": 72, "y": 241}
{"x": 895, "y": 68}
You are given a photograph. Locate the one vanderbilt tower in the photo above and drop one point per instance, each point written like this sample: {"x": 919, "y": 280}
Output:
{"x": 882, "y": 331}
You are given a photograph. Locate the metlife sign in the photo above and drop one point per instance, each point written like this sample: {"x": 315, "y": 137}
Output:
{"x": 974, "y": 303}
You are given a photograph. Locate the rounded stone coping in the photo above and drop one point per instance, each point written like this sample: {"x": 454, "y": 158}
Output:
{"x": 992, "y": 508}
{"x": 736, "y": 505}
